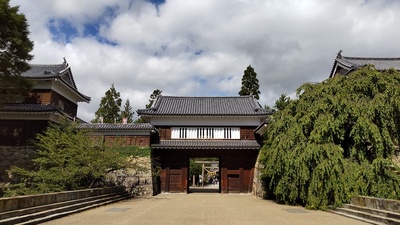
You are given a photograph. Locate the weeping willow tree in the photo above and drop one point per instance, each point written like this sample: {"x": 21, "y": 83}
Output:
{"x": 336, "y": 140}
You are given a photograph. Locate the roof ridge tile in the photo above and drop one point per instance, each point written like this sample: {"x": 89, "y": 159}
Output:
{"x": 205, "y": 106}
{"x": 371, "y": 58}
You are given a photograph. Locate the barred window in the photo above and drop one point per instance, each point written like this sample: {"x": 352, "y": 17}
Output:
{"x": 205, "y": 133}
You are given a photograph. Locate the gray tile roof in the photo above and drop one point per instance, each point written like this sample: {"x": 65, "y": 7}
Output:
{"x": 353, "y": 63}
{"x": 205, "y": 106}
{"x": 28, "y": 108}
{"x": 379, "y": 63}
{"x": 116, "y": 126}
{"x": 45, "y": 70}
{"x": 206, "y": 144}
{"x": 62, "y": 72}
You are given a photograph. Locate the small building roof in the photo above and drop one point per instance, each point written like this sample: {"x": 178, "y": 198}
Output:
{"x": 206, "y": 144}
{"x": 116, "y": 126}
{"x": 205, "y": 106}
{"x": 60, "y": 72}
{"x": 350, "y": 64}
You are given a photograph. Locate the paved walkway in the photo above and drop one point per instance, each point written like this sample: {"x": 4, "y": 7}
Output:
{"x": 202, "y": 209}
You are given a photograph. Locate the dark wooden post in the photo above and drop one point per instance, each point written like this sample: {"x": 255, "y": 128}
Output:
{"x": 224, "y": 179}
{"x": 241, "y": 180}
{"x": 166, "y": 179}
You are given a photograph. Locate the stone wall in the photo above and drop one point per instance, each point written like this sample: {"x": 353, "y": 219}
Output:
{"x": 376, "y": 203}
{"x": 13, "y": 156}
{"x": 139, "y": 182}
{"x": 258, "y": 188}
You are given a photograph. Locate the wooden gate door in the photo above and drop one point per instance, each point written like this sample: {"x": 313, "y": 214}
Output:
{"x": 175, "y": 180}
{"x": 233, "y": 183}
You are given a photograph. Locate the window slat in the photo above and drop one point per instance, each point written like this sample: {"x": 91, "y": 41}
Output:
{"x": 205, "y": 133}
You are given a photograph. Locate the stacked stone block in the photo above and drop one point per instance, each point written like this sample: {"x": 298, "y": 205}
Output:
{"x": 13, "y": 156}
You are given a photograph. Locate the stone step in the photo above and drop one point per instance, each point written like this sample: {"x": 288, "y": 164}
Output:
{"x": 379, "y": 212}
{"x": 373, "y": 218}
{"x": 57, "y": 210}
{"x": 355, "y": 217}
{"x": 54, "y": 216}
{"x": 31, "y": 210}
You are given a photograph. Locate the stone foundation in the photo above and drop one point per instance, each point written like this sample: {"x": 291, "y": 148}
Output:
{"x": 138, "y": 182}
{"x": 13, "y": 156}
{"x": 258, "y": 188}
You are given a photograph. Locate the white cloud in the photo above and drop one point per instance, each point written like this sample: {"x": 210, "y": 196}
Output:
{"x": 202, "y": 47}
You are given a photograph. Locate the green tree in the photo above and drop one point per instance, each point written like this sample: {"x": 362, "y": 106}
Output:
{"x": 15, "y": 48}
{"x": 110, "y": 107}
{"x": 282, "y": 102}
{"x": 269, "y": 108}
{"x": 139, "y": 120}
{"x": 336, "y": 140}
{"x": 67, "y": 159}
{"x": 127, "y": 112}
{"x": 153, "y": 97}
{"x": 250, "y": 84}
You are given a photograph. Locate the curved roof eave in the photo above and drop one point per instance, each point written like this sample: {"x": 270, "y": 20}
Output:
{"x": 55, "y": 72}
{"x": 83, "y": 97}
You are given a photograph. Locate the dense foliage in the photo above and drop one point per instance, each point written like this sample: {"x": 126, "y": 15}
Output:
{"x": 15, "y": 48}
{"x": 250, "y": 84}
{"x": 336, "y": 140}
{"x": 68, "y": 159}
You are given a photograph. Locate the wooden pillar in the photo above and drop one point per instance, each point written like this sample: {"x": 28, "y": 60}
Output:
{"x": 166, "y": 184}
{"x": 251, "y": 180}
{"x": 184, "y": 176}
{"x": 241, "y": 180}
{"x": 202, "y": 174}
{"x": 224, "y": 180}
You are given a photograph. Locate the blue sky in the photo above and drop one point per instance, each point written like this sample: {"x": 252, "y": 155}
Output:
{"x": 202, "y": 47}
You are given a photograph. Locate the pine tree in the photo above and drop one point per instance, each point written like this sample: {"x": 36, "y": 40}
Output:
{"x": 109, "y": 108}
{"x": 153, "y": 97}
{"x": 282, "y": 102}
{"x": 15, "y": 48}
{"x": 127, "y": 112}
{"x": 250, "y": 84}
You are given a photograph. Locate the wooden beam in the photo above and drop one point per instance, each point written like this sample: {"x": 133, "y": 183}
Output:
{"x": 211, "y": 167}
{"x": 207, "y": 162}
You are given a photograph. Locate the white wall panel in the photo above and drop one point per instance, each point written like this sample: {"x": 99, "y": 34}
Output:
{"x": 205, "y": 121}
